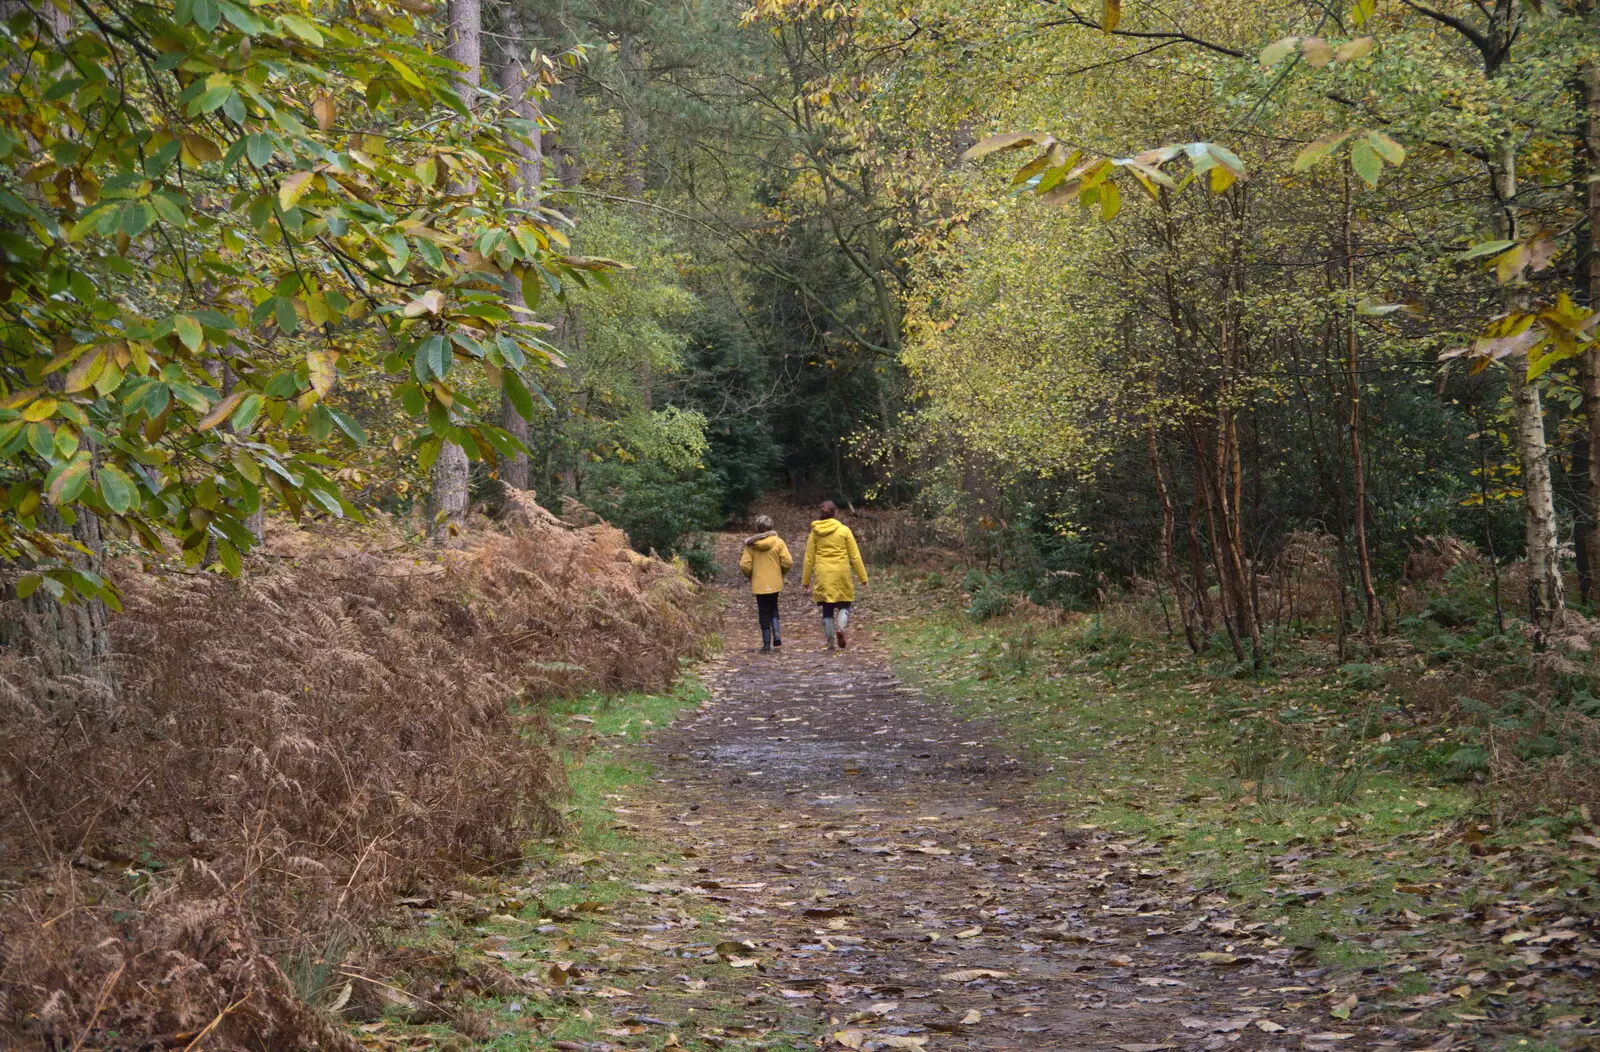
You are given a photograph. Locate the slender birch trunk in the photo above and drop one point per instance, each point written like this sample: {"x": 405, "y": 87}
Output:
{"x": 449, "y": 499}
{"x": 522, "y": 94}
{"x": 1358, "y": 474}
{"x": 1169, "y": 521}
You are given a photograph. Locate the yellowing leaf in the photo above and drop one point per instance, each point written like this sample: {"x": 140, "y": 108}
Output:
{"x": 40, "y": 409}
{"x": 1110, "y": 201}
{"x": 1110, "y": 14}
{"x": 85, "y": 371}
{"x": 323, "y": 367}
{"x": 1319, "y": 150}
{"x": 292, "y": 189}
{"x": 1509, "y": 264}
{"x": 1318, "y": 52}
{"x": 220, "y": 412}
{"x": 324, "y": 110}
{"x": 1387, "y": 148}
{"x": 430, "y": 302}
{"x": 1003, "y": 141}
{"x": 1279, "y": 50}
{"x": 201, "y": 148}
{"x": 1365, "y": 160}
{"x": 189, "y": 331}
{"x": 1351, "y": 50}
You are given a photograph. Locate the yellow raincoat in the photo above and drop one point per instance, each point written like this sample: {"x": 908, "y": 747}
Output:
{"x": 831, "y": 555}
{"x": 765, "y": 560}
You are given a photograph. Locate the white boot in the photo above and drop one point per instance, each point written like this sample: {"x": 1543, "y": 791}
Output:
{"x": 827, "y": 631}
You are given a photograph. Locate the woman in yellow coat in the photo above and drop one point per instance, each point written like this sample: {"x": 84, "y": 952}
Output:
{"x": 765, "y": 560}
{"x": 831, "y": 557}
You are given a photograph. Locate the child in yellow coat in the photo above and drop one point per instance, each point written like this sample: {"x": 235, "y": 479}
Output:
{"x": 765, "y": 560}
{"x": 831, "y": 557}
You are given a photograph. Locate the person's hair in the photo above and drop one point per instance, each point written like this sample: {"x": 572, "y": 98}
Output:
{"x": 829, "y": 509}
{"x": 763, "y": 522}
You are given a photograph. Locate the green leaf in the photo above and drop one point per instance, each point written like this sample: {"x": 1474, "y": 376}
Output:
{"x": 1365, "y": 160}
{"x": 440, "y": 356}
{"x": 283, "y": 311}
{"x": 1362, "y": 11}
{"x": 116, "y": 489}
{"x": 28, "y": 583}
{"x": 532, "y": 286}
{"x": 300, "y": 27}
{"x": 1487, "y": 248}
{"x": 259, "y": 148}
{"x": 245, "y": 415}
{"x": 207, "y": 13}
{"x": 348, "y": 424}
{"x": 1318, "y": 150}
{"x": 517, "y": 395}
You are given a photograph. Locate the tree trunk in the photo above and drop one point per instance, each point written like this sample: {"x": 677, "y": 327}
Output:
{"x": 522, "y": 94}
{"x": 1358, "y": 474}
{"x": 447, "y": 504}
{"x": 635, "y": 131}
{"x": 69, "y": 641}
{"x": 1202, "y": 594}
{"x": 1589, "y": 285}
{"x": 1212, "y": 488}
{"x": 1546, "y": 590}
{"x": 1547, "y": 599}
{"x": 1169, "y": 521}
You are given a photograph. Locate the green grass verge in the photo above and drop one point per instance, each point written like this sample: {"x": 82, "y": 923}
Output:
{"x": 575, "y": 923}
{"x": 1303, "y": 795}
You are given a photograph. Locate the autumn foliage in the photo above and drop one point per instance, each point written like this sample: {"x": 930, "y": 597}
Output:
{"x": 289, "y": 751}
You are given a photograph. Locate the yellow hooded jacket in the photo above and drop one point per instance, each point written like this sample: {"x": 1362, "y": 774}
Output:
{"x": 831, "y": 555}
{"x": 765, "y": 560}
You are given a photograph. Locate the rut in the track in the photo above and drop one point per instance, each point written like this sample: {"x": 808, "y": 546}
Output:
{"x": 896, "y": 876}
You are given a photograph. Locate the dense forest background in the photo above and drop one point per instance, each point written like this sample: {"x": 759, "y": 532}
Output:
{"x": 1350, "y": 323}
{"x": 1277, "y": 280}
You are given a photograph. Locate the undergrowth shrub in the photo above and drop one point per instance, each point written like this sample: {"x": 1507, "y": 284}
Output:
{"x": 288, "y": 752}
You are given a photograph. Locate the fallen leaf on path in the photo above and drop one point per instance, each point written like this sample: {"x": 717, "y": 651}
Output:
{"x": 966, "y": 975}
{"x": 1145, "y": 1048}
{"x": 1268, "y": 1026}
{"x": 1210, "y": 957}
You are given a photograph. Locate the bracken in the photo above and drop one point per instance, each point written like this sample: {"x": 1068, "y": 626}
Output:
{"x": 289, "y": 751}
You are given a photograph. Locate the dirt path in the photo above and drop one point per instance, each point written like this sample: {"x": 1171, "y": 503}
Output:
{"x": 892, "y": 874}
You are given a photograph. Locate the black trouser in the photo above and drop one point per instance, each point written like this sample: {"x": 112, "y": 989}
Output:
{"x": 767, "y": 612}
{"x": 829, "y": 608}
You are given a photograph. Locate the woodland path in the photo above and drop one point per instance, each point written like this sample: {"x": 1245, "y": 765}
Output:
{"x": 872, "y": 846}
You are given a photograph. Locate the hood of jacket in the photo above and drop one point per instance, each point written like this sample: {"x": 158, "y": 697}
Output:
{"x": 825, "y": 526}
{"x": 763, "y": 542}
